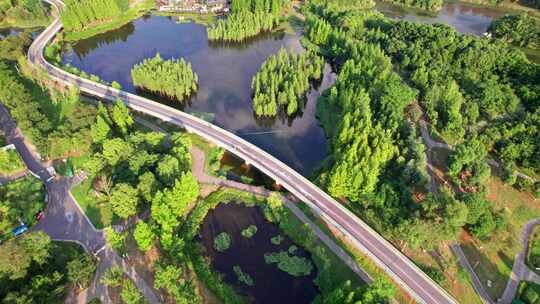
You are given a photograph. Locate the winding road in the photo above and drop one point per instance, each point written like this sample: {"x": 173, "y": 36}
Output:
{"x": 397, "y": 265}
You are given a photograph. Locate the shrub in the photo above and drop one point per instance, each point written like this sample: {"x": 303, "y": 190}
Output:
{"x": 113, "y": 277}
{"x": 242, "y": 276}
{"x": 130, "y": 294}
{"x": 293, "y": 265}
{"x": 222, "y": 242}
{"x": 276, "y": 240}
{"x": 249, "y": 232}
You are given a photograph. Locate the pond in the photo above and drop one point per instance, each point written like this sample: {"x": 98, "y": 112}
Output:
{"x": 270, "y": 284}
{"x": 225, "y": 72}
{"x": 464, "y": 17}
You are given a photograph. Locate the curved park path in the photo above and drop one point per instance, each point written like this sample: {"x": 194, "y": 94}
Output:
{"x": 520, "y": 271}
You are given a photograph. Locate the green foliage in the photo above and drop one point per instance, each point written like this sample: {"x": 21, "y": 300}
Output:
{"x": 115, "y": 239}
{"x": 48, "y": 277}
{"x": 144, "y": 236}
{"x": 249, "y": 232}
{"x": 14, "y": 46}
{"x": 28, "y": 248}
{"x": 172, "y": 78}
{"x": 26, "y": 110}
{"x": 77, "y": 15}
{"x": 222, "y": 241}
{"x": 171, "y": 204}
{"x": 248, "y": 19}
{"x": 283, "y": 81}
{"x": 170, "y": 278}
{"x": 20, "y": 200}
{"x": 23, "y": 13}
{"x": 121, "y": 117}
{"x": 533, "y": 255}
{"x": 276, "y": 240}
{"x": 130, "y": 294}
{"x": 124, "y": 200}
{"x": 378, "y": 292}
{"x": 528, "y": 293}
{"x": 293, "y": 265}
{"x": 214, "y": 281}
{"x": 113, "y": 277}
{"x": 243, "y": 277}
{"x": 81, "y": 271}
{"x": 521, "y": 30}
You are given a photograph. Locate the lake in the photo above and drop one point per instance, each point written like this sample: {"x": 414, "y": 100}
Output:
{"x": 464, "y": 17}
{"x": 225, "y": 72}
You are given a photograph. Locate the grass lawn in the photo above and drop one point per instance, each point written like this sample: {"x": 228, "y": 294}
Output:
{"x": 493, "y": 258}
{"x": 100, "y": 215}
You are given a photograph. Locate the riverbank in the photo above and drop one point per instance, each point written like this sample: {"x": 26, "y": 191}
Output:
{"x": 138, "y": 10}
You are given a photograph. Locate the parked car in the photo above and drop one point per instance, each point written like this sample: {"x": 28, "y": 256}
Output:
{"x": 20, "y": 230}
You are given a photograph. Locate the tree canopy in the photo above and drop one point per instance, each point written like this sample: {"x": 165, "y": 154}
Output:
{"x": 172, "y": 78}
{"x": 78, "y": 14}
{"x": 283, "y": 81}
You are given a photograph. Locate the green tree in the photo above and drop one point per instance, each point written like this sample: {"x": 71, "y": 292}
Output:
{"x": 144, "y": 236}
{"x": 113, "y": 277}
{"x": 130, "y": 294}
{"x": 16, "y": 255}
{"x": 81, "y": 270}
{"x": 121, "y": 117}
{"x": 100, "y": 130}
{"x": 124, "y": 200}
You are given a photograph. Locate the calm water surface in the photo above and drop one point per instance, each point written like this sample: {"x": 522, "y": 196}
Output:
{"x": 225, "y": 74}
{"x": 271, "y": 285}
{"x": 465, "y": 18}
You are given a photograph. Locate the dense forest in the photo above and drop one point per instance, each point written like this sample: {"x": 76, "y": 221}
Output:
{"x": 33, "y": 269}
{"x": 371, "y": 116}
{"x": 23, "y": 13}
{"x": 78, "y": 14}
{"x": 171, "y": 78}
{"x": 248, "y": 19}
{"x": 521, "y": 30}
{"x": 283, "y": 81}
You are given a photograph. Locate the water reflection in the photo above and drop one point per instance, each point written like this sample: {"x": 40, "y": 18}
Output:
{"x": 225, "y": 74}
{"x": 271, "y": 285}
{"x": 465, "y": 18}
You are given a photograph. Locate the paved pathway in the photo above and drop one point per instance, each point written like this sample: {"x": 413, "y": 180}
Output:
{"x": 520, "y": 271}
{"x": 64, "y": 219}
{"x": 456, "y": 248}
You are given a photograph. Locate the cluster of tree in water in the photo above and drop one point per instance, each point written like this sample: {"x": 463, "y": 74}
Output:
{"x": 283, "y": 81}
{"x": 372, "y": 119}
{"x": 76, "y": 15}
{"x": 248, "y": 18}
{"x": 172, "y": 78}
